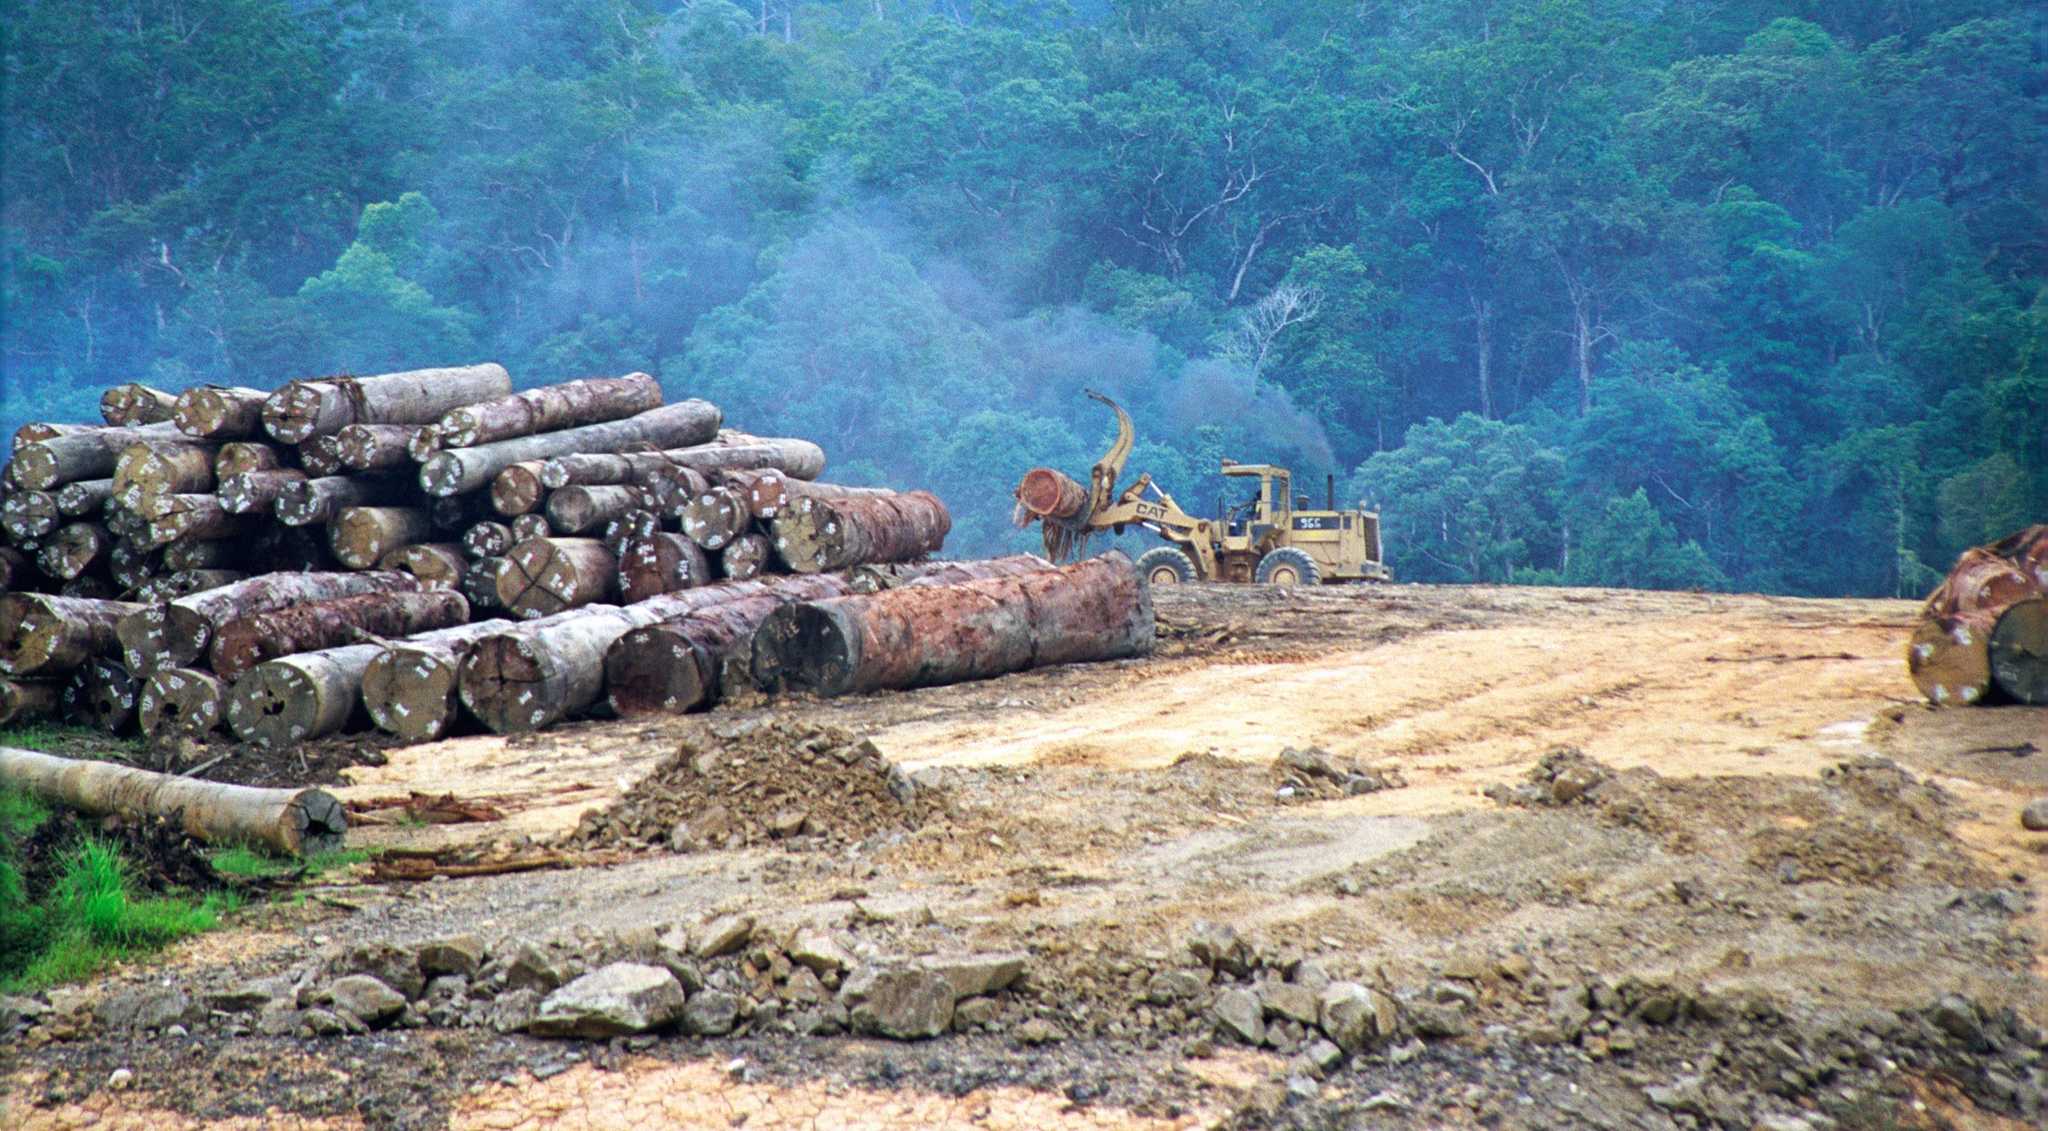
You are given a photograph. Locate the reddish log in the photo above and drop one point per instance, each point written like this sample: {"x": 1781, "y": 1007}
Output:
{"x": 745, "y": 557}
{"x": 410, "y": 687}
{"x": 817, "y": 534}
{"x": 179, "y": 632}
{"x": 660, "y": 563}
{"x": 1046, "y": 493}
{"x": 529, "y": 526}
{"x": 517, "y": 489}
{"x": 676, "y": 665}
{"x": 43, "y": 635}
{"x": 244, "y": 642}
{"x": 542, "y": 576}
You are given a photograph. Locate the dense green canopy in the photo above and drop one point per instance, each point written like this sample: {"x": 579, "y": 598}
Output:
{"x": 1739, "y": 294}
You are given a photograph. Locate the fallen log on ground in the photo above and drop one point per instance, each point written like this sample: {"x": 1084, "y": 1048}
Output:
{"x": 917, "y": 636}
{"x": 305, "y": 409}
{"x": 216, "y": 412}
{"x": 292, "y": 821}
{"x": 1949, "y": 655}
{"x": 593, "y": 400}
{"x": 244, "y": 642}
{"x": 2018, "y": 652}
{"x": 675, "y": 665}
{"x": 295, "y": 699}
{"x": 43, "y": 635}
{"x": 542, "y": 576}
{"x": 454, "y": 470}
{"x": 360, "y": 536}
{"x": 410, "y": 688}
{"x": 177, "y": 633}
{"x": 183, "y": 702}
{"x": 816, "y": 534}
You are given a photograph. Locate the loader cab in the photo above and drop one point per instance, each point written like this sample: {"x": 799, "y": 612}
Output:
{"x": 1252, "y": 524}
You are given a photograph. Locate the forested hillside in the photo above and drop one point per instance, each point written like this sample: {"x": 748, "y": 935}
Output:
{"x": 1736, "y": 294}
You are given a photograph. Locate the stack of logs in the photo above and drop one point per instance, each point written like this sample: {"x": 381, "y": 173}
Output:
{"x": 1983, "y": 634}
{"x": 296, "y": 563}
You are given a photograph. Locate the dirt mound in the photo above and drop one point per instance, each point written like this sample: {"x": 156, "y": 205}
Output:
{"x": 781, "y": 780}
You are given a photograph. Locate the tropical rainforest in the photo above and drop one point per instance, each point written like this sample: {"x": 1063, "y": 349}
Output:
{"x": 1720, "y": 294}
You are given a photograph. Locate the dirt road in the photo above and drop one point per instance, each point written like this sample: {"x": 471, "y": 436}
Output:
{"x": 1767, "y": 887}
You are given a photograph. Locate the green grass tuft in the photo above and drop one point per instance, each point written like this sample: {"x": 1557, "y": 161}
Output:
{"x": 91, "y": 919}
{"x": 71, "y": 741}
{"x": 255, "y": 864}
{"x": 20, "y": 814}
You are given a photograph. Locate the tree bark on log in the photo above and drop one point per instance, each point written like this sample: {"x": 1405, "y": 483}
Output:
{"x": 26, "y": 700}
{"x": 527, "y": 527}
{"x": 577, "y": 509}
{"x": 875, "y": 578}
{"x": 360, "y": 536}
{"x": 1981, "y": 579}
{"x": 438, "y": 565}
{"x": 814, "y": 534}
{"x": 487, "y": 540}
{"x": 661, "y": 563}
{"x": 89, "y": 453}
{"x": 242, "y": 643}
{"x": 542, "y": 576}
{"x": 480, "y": 583}
{"x": 256, "y": 492}
{"x": 90, "y": 587}
{"x": 84, "y": 497}
{"x": 716, "y": 517}
{"x": 291, "y": 821}
{"x": 184, "y": 583}
{"x": 454, "y": 470}
{"x": 916, "y": 636}
{"x": 197, "y": 518}
{"x": 536, "y": 673}
{"x": 179, "y": 632}
{"x": 768, "y": 493}
{"x": 298, "y": 698}
{"x": 745, "y": 557}
{"x": 183, "y": 702}
{"x": 125, "y": 406}
{"x": 320, "y": 457}
{"x": 103, "y": 694}
{"x": 74, "y": 549}
{"x": 2018, "y": 652}
{"x": 516, "y": 489}
{"x": 410, "y": 688}
{"x": 144, "y": 474}
{"x": 29, "y": 515}
{"x": 43, "y": 635}
{"x": 592, "y": 400}
{"x": 217, "y": 554}
{"x": 244, "y": 456}
{"x": 305, "y": 409}
{"x": 312, "y": 502}
{"x": 220, "y": 412}
{"x": 373, "y": 447}
{"x": 676, "y": 665}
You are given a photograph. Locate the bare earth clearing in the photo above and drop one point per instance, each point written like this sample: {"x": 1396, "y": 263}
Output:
{"x": 1771, "y": 889}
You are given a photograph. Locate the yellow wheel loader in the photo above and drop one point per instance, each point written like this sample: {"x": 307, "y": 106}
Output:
{"x": 1270, "y": 537}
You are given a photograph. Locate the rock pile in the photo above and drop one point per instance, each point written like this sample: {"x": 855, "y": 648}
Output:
{"x": 1316, "y": 774}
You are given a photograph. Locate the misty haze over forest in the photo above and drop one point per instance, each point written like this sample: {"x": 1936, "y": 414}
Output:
{"x": 1741, "y": 295}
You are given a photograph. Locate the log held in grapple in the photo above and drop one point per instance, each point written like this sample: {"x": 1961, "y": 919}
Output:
{"x": 1983, "y": 633}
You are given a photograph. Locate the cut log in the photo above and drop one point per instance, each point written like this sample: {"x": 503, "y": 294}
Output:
{"x": 312, "y": 502}
{"x": 716, "y": 517}
{"x": 660, "y": 563}
{"x": 148, "y": 472}
{"x": 127, "y": 405}
{"x": 45, "y": 465}
{"x": 454, "y": 470}
{"x": 130, "y": 565}
{"x": 675, "y": 665}
{"x": 480, "y": 583}
{"x": 290, "y": 821}
{"x": 487, "y": 540}
{"x": 242, "y": 643}
{"x": 295, "y": 699}
{"x": 244, "y": 456}
{"x": 424, "y": 443}
{"x": 220, "y": 412}
{"x": 915, "y": 636}
{"x": 745, "y": 557}
{"x": 797, "y": 459}
{"x": 43, "y": 635}
{"x": 362, "y": 535}
{"x": 542, "y": 576}
{"x": 576, "y": 509}
{"x": 102, "y": 694}
{"x": 29, "y": 515}
{"x": 216, "y": 554}
{"x": 371, "y": 447}
{"x": 1950, "y": 659}
{"x": 74, "y": 549}
{"x": 438, "y": 565}
{"x": 2027, "y": 550}
{"x": 2018, "y": 650}
{"x": 84, "y": 497}
{"x": 410, "y": 688}
{"x": 256, "y": 492}
{"x": 770, "y": 492}
{"x": 1046, "y": 493}
{"x": 320, "y": 457}
{"x": 517, "y": 490}
{"x": 875, "y": 578}
{"x": 549, "y": 408}
{"x": 628, "y": 526}
{"x": 534, "y": 674}
{"x": 816, "y": 534}
{"x": 305, "y": 409}
{"x": 181, "y": 702}
{"x": 1981, "y": 579}
{"x": 197, "y": 518}
{"x": 26, "y": 700}
{"x": 185, "y": 582}
{"x": 178, "y": 633}
{"x": 528, "y": 526}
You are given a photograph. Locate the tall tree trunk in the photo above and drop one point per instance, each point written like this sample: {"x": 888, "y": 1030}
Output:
{"x": 292, "y": 821}
{"x": 305, "y": 409}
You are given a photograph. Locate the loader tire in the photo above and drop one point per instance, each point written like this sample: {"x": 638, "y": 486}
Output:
{"x": 1165, "y": 565}
{"x": 1288, "y": 566}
